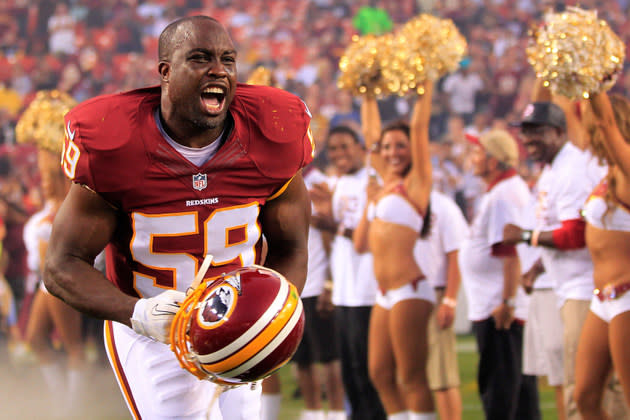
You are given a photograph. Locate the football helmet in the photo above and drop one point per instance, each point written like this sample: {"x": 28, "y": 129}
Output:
{"x": 239, "y": 327}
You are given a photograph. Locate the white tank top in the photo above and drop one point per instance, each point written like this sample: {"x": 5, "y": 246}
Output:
{"x": 597, "y": 211}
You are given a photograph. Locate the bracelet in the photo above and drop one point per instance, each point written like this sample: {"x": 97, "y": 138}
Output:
{"x": 535, "y": 235}
{"x": 526, "y": 236}
{"x": 450, "y": 302}
{"x": 509, "y": 302}
{"x": 328, "y": 286}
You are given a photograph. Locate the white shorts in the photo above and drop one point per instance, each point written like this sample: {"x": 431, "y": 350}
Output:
{"x": 417, "y": 289}
{"x": 542, "y": 338}
{"x": 609, "y": 309}
{"x": 156, "y": 387}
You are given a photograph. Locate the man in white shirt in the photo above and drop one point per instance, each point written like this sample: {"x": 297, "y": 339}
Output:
{"x": 490, "y": 274}
{"x": 437, "y": 256}
{"x": 568, "y": 177}
{"x": 462, "y": 88}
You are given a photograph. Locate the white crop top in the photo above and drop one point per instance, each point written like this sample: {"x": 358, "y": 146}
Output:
{"x": 397, "y": 209}
{"x": 595, "y": 211}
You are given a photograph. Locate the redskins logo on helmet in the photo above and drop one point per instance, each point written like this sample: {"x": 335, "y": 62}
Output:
{"x": 240, "y": 327}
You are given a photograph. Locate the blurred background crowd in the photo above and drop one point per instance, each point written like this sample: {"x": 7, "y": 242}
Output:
{"x": 90, "y": 47}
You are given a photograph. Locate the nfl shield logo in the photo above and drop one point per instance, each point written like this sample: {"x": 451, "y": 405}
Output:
{"x": 200, "y": 181}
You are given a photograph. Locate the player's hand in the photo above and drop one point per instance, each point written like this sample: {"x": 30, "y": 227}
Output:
{"x": 445, "y": 316}
{"x": 503, "y": 316}
{"x": 152, "y": 317}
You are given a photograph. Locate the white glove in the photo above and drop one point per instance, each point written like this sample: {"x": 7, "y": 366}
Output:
{"x": 152, "y": 317}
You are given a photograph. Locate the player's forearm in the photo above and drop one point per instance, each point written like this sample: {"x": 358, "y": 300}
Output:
{"x": 84, "y": 288}
{"x": 291, "y": 262}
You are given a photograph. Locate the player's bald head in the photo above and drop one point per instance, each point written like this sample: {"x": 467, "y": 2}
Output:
{"x": 173, "y": 35}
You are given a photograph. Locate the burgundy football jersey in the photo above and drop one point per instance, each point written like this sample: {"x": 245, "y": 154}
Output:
{"x": 172, "y": 211}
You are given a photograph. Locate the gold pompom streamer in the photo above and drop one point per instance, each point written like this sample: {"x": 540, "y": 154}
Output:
{"x": 575, "y": 53}
{"x": 261, "y": 76}
{"x": 425, "y": 48}
{"x": 42, "y": 122}
{"x": 360, "y": 65}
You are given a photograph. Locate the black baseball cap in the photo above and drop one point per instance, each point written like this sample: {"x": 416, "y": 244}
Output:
{"x": 542, "y": 113}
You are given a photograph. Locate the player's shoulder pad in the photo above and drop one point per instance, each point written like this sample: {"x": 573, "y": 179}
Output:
{"x": 279, "y": 115}
{"x": 106, "y": 122}
{"x": 275, "y": 126}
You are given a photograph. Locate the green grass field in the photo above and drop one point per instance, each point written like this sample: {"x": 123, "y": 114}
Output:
{"x": 467, "y": 357}
{"x": 19, "y": 383}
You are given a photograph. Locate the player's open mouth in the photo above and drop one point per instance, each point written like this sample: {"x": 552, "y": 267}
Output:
{"x": 213, "y": 98}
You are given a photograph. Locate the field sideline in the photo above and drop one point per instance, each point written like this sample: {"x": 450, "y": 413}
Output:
{"x": 23, "y": 395}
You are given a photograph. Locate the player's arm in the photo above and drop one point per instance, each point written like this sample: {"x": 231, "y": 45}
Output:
{"x": 82, "y": 228}
{"x": 285, "y": 221}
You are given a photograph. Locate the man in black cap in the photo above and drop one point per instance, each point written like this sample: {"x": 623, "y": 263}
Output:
{"x": 544, "y": 127}
{"x": 568, "y": 176}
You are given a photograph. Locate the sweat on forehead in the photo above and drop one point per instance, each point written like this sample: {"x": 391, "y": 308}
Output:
{"x": 172, "y": 36}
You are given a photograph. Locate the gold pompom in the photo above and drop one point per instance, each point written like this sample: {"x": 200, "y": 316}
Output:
{"x": 360, "y": 65}
{"x": 575, "y": 53}
{"x": 425, "y": 48}
{"x": 42, "y": 122}
{"x": 261, "y": 76}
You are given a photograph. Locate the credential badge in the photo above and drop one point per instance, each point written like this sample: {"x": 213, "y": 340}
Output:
{"x": 200, "y": 181}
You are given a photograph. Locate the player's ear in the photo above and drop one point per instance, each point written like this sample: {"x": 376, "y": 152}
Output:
{"x": 164, "y": 68}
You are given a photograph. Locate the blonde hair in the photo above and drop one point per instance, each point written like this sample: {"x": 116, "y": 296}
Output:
{"x": 621, "y": 111}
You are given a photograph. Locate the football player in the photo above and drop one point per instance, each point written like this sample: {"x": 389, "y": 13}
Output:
{"x": 163, "y": 176}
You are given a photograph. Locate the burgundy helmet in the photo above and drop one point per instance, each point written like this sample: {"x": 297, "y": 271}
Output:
{"x": 240, "y": 327}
